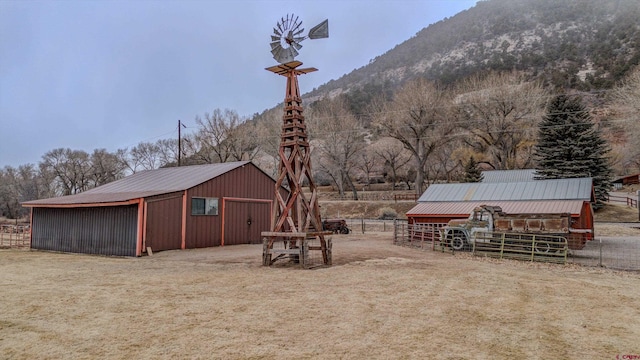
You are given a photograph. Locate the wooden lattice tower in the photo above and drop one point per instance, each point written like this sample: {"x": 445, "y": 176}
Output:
{"x": 296, "y": 215}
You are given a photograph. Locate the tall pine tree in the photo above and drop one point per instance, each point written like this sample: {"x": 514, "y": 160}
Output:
{"x": 569, "y": 146}
{"x": 471, "y": 172}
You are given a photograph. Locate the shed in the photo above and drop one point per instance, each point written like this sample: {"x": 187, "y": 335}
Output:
{"x": 164, "y": 209}
{"x": 441, "y": 203}
{"x": 626, "y": 180}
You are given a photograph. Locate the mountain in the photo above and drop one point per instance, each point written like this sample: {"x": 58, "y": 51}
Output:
{"x": 577, "y": 44}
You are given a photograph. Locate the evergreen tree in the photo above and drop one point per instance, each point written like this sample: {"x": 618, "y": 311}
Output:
{"x": 569, "y": 146}
{"x": 471, "y": 172}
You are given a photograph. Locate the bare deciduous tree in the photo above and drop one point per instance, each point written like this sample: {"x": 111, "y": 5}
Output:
{"x": 269, "y": 130}
{"x": 9, "y": 193}
{"x": 418, "y": 117}
{"x": 340, "y": 139}
{"x": 144, "y": 156}
{"x": 105, "y": 167}
{"x": 394, "y": 157}
{"x": 368, "y": 162}
{"x": 72, "y": 170}
{"x": 445, "y": 164}
{"x": 626, "y": 102}
{"x": 500, "y": 112}
{"x": 168, "y": 151}
{"x": 224, "y": 136}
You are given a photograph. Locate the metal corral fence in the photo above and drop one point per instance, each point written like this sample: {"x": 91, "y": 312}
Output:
{"x": 15, "y": 236}
{"x": 369, "y": 225}
{"x": 620, "y": 253}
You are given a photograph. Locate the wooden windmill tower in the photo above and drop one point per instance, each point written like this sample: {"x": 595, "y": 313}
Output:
{"x": 296, "y": 228}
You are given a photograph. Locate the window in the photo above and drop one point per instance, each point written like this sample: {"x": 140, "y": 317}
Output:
{"x": 204, "y": 206}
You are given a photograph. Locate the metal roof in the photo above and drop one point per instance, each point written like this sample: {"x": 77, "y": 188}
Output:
{"x": 145, "y": 184}
{"x": 501, "y": 176}
{"x": 449, "y": 209}
{"x": 556, "y": 189}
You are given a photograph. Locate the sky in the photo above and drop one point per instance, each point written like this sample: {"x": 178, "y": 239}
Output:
{"x": 99, "y": 74}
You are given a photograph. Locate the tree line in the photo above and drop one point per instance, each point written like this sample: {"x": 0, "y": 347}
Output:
{"x": 421, "y": 133}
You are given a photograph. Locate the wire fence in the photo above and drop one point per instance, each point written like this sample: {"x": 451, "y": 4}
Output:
{"x": 619, "y": 253}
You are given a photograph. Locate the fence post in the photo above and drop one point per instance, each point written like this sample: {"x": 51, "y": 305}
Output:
{"x": 600, "y": 257}
{"x": 433, "y": 237}
{"x": 395, "y": 231}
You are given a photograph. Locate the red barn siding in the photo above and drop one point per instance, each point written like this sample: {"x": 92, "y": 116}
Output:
{"x": 163, "y": 229}
{"x": 246, "y": 182}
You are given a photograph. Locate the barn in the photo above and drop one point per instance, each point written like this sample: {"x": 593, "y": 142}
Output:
{"x": 441, "y": 203}
{"x": 164, "y": 209}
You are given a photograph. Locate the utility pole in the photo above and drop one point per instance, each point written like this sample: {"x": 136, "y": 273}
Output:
{"x": 180, "y": 126}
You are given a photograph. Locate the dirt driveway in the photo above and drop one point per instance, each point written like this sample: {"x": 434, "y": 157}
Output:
{"x": 378, "y": 301}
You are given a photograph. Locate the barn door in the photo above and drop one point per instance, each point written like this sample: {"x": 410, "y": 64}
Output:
{"x": 244, "y": 220}
{"x": 164, "y": 224}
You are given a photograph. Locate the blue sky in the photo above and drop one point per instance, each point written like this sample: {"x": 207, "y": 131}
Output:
{"x": 110, "y": 74}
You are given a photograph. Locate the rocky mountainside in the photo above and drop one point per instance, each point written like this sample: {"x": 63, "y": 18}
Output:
{"x": 580, "y": 44}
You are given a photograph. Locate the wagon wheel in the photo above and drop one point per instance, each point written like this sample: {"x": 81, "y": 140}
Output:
{"x": 345, "y": 230}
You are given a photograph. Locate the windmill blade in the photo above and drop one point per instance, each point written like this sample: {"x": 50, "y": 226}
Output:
{"x": 275, "y": 44}
{"x": 296, "y": 25}
{"x": 298, "y": 32}
{"x": 299, "y": 38}
{"x": 283, "y": 57}
{"x": 275, "y": 38}
{"x": 296, "y": 45}
{"x": 293, "y": 52}
{"x": 320, "y": 31}
{"x": 276, "y": 51}
{"x": 275, "y": 31}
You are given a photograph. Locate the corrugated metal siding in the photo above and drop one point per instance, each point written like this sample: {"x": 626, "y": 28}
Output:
{"x": 164, "y": 223}
{"x": 91, "y": 230}
{"x": 247, "y": 182}
{"x": 559, "y": 189}
{"x": 237, "y": 214}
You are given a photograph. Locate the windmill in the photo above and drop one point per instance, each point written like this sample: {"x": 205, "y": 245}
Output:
{"x": 296, "y": 227}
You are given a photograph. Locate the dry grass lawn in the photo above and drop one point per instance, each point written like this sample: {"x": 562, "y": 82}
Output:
{"x": 378, "y": 301}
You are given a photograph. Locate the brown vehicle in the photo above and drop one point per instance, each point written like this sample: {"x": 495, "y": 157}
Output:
{"x": 338, "y": 226}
